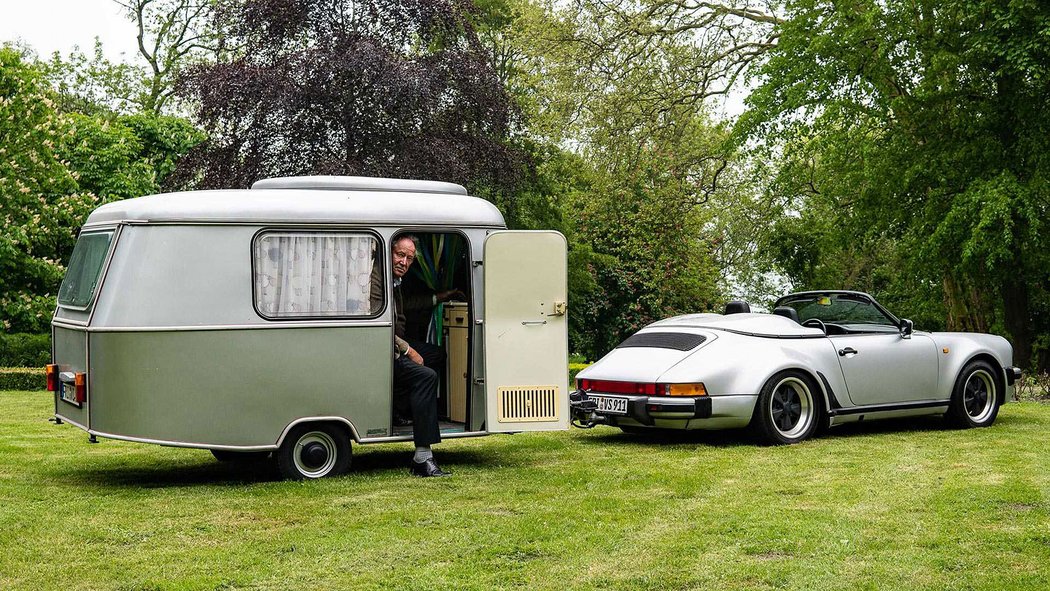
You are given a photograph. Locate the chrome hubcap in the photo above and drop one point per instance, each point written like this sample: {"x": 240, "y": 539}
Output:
{"x": 315, "y": 454}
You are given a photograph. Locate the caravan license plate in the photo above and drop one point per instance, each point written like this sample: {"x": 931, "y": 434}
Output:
{"x": 610, "y": 405}
{"x": 69, "y": 393}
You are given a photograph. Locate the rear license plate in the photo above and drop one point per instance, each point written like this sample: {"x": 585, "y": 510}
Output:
{"x": 609, "y": 405}
{"x": 69, "y": 393}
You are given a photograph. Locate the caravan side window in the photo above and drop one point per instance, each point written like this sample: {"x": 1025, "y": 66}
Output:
{"x": 313, "y": 274}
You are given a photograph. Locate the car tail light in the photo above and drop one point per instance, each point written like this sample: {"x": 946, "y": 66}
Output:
{"x": 80, "y": 380}
{"x": 686, "y": 390}
{"x": 51, "y": 371}
{"x": 641, "y": 388}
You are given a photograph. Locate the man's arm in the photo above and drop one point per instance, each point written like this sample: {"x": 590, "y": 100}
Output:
{"x": 403, "y": 348}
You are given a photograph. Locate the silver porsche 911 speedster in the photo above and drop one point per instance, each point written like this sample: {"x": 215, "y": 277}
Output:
{"x": 822, "y": 358}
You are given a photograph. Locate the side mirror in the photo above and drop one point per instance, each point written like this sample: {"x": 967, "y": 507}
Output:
{"x": 907, "y": 327}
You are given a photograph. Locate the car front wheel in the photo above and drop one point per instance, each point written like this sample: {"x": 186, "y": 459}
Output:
{"x": 788, "y": 409}
{"x": 975, "y": 398}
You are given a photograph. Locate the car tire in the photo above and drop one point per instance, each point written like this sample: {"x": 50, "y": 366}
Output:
{"x": 789, "y": 409}
{"x": 975, "y": 398}
{"x": 314, "y": 451}
{"x": 239, "y": 457}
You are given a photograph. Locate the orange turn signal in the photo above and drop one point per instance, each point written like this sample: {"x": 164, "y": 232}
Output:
{"x": 686, "y": 390}
{"x": 80, "y": 381}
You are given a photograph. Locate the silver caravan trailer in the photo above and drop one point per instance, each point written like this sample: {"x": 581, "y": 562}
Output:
{"x": 239, "y": 321}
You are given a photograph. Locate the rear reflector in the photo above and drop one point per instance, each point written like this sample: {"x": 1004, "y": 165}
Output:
{"x": 81, "y": 383}
{"x": 51, "y": 371}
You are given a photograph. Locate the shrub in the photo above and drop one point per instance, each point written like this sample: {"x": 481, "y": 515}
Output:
{"x": 575, "y": 368}
{"x": 22, "y": 378}
{"x": 1033, "y": 386}
{"x": 25, "y": 350}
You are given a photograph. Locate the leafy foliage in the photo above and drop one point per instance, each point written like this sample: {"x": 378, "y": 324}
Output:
{"x": 25, "y": 350}
{"x": 374, "y": 87}
{"x": 39, "y": 198}
{"x": 914, "y": 140}
{"x": 55, "y": 167}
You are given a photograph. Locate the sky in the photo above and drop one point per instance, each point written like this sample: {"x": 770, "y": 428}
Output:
{"x": 59, "y": 25}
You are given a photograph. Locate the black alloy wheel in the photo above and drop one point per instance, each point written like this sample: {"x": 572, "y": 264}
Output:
{"x": 975, "y": 399}
{"x": 789, "y": 409}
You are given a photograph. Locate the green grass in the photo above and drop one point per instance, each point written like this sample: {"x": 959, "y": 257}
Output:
{"x": 899, "y": 505}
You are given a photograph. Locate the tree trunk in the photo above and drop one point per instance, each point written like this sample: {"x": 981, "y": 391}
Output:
{"x": 967, "y": 311}
{"x": 1018, "y": 321}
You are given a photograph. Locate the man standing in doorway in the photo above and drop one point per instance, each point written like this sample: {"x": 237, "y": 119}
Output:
{"x": 412, "y": 379}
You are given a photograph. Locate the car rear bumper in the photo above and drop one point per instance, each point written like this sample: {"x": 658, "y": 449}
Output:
{"x": 666, "y": 412}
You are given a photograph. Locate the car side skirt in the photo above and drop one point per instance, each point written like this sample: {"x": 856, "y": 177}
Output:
{"x": 883, "y": 411}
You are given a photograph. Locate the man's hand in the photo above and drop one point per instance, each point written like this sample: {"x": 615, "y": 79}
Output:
{"x": 415, "y": 357}
{"x": 452, "y": 294}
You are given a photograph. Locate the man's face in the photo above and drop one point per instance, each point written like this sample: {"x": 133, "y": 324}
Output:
{"x": 404, "y": 254}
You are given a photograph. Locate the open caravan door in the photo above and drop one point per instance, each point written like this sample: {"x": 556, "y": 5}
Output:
{"x": 526, "y": 332}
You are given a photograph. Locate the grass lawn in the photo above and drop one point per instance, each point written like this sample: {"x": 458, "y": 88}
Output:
{"x": 899, "y": 505}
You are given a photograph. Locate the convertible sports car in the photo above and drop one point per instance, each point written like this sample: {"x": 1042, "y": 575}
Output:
{"x": 822, "y": 358}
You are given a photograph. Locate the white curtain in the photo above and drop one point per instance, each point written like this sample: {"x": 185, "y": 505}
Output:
{"x": 300, "y": 274}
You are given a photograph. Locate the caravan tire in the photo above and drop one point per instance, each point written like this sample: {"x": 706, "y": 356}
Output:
{"x": 314, "y": 451}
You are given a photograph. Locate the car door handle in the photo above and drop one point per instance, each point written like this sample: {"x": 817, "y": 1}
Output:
{"x": 847, "y": 351}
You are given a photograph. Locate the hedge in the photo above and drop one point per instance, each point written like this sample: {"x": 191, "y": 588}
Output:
{"x": 22, "y": 378}
{"x": 575, "y": 368}
{"x": 25, "y": 350}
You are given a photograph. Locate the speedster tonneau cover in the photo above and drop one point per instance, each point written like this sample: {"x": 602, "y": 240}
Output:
{"x": 759, "y": 325}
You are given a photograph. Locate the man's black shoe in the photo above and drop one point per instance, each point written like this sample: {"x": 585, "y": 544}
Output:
{"x": 426, "y": 469}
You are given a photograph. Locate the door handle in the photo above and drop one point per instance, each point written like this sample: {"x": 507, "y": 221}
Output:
{"x": 847, "y": 351}
{"x": 532, "y": 322}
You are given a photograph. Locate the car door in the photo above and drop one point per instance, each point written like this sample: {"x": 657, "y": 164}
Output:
{"x": 526, "y": 331}
{"x": 885, "y": 368}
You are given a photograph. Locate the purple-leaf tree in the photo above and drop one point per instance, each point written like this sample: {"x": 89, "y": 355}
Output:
{"x": 397, "y": 88}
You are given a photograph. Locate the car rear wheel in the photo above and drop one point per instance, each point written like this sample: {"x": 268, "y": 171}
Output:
{"x": 788, "y": 409}
{"x": 975, "y": 398}
{"x": 314, "y": 451}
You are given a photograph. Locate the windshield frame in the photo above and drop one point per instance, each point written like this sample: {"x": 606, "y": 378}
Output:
{"x": 842, "y": 294}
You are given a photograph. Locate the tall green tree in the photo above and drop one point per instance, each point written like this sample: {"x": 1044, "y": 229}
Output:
{"x": 920, "y": 129}
{"x": 40, "y": 202}
{"x": 60, "y": 157}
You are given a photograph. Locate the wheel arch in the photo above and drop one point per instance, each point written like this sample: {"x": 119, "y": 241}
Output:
{"x": 340, "y": 422}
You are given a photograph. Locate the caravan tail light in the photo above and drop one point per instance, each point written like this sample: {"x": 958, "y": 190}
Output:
{"x": 80, "y": 380}
{"x": 51, "y": 371}
{"x": 641, "y": 388}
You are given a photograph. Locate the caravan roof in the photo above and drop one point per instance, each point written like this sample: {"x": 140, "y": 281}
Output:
{"x": 321, "y": 200}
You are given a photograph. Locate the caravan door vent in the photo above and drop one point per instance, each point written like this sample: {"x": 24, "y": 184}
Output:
{"x": 528, "y": 404}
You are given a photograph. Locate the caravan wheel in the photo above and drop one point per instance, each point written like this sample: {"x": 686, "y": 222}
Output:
{"x": 314, "y": 451}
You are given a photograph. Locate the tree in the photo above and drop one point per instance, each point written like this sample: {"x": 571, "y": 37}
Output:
{"x": 172, "y": 34}
{"x": 39, "y": 198}
{"x": 373, "y": 87}
{"x": 922, "y": 126}
{"x": 55, "y": 167}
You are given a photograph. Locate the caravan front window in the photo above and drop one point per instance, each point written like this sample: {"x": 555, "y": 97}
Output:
{"x": 313, "y": 275}
{"x": 85, "y": 266}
